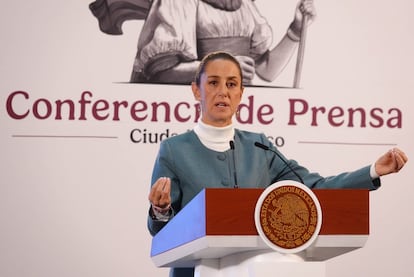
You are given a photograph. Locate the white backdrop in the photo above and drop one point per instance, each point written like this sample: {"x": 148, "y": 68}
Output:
{"x": 73, "y": 193}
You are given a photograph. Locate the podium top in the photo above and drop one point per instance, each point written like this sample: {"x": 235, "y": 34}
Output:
{"x": 219, "y": 213}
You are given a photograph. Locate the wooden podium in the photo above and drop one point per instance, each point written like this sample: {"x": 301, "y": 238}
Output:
{"x": 216, "y": 234}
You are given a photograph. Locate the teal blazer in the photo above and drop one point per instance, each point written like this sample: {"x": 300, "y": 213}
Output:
{"x": 193, "y": 167}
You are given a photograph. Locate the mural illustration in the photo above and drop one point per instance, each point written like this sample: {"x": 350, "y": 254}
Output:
{"x": 176, "y": 35}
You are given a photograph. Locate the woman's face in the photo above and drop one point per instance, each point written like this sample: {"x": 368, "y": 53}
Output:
{"x": 219, "y": 92}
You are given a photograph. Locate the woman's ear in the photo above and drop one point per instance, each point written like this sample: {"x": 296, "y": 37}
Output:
{"x": 196, "y": 91}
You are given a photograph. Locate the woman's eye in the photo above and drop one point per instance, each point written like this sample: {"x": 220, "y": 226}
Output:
{"x": 213, "y": 83}
{"x": 231, "y": 85}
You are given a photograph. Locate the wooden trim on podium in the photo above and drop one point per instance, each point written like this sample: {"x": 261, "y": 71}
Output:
{"x": 343, "y": 211}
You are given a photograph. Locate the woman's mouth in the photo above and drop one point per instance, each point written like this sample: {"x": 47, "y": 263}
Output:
{"x": 221, "y": 104}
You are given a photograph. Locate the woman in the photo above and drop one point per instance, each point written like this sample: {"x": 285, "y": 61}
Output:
{"x": 203, "y": 157}
{"x": 178, "y": 34}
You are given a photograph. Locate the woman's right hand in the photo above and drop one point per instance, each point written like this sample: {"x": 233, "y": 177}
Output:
{"x": 160, "y": 194}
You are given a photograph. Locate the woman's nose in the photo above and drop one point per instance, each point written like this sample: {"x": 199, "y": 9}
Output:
{"x": 223, "y": 90}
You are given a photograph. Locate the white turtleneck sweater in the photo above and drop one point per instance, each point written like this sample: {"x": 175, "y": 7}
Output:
{"x": 215, "y": 138}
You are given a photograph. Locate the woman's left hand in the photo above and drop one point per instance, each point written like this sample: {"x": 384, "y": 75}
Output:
{"x": 391, "y": 162}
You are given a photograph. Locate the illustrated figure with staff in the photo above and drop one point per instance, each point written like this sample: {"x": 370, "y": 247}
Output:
{"x": 176, "y": 35}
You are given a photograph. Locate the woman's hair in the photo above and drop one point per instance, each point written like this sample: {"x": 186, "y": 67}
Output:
{"x": 216, "y": 56}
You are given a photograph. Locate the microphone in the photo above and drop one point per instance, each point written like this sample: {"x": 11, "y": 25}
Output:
{"x": 236, "y": 185}
{"x": 265, "y": 147}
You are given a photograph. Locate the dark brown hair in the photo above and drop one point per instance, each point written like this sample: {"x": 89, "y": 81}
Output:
{"x": 212, "y": 57}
